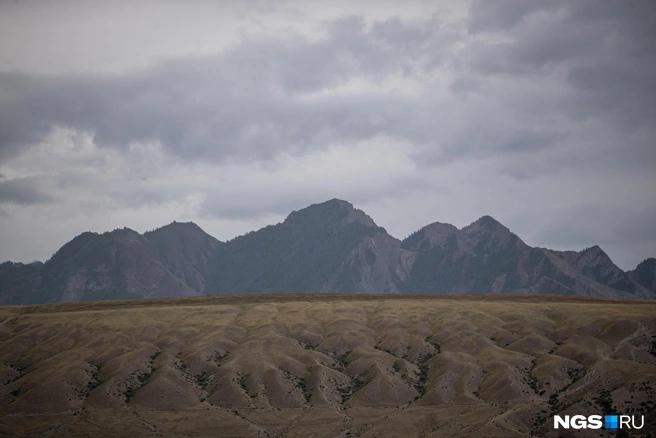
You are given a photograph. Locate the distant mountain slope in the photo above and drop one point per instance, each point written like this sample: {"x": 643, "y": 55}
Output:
{"x": 327, "y": 247}
{"x": 485, "y": 257}
{"x": 324, "y": 247}
{"x": 480, "y": 258}
{"x": 168, "y": 262}
{"x": 19, "y": 283}
{"x": 645, "y": 274}
{"x": 186, "y": 251}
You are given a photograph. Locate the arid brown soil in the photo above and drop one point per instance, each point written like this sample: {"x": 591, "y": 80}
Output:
{"x": 326, "y": 365}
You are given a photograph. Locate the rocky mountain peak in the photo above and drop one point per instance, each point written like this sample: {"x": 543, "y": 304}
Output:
{"x": 125, "y": 236}
{"x": 178, "y": 226}
{"x": 647, "y": 264}
{"x": 645, "y": 273}
{"x": 487, "y": 233}
{"x": 180, "y": 230}
{"x": 435, "y": 234}
{"x": 76, "y": 244}
{"x": 485, "y": 223}
{"x": 355, "y": 215}
{"x": 593, "y": 256}
{"x": 332, "y": 212}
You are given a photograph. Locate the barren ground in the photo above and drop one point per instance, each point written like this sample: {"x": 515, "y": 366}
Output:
{"x": 326, "y": 365}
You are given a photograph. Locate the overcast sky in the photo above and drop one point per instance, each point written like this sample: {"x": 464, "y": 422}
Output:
{"x": 232, "y": 114}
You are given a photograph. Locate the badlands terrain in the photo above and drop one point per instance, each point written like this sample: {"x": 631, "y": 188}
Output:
{"x": 325, "y": 365}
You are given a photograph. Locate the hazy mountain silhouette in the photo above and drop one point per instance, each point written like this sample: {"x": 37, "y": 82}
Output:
{"x": 327, "y": 247}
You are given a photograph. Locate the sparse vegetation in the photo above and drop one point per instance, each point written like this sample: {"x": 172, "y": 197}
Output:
{"x": 94, "y": 381}
{"x": 242, "y": 379}
{"x": 217, "y": 357}
{"x": 139, "y": 379}
{"x": 303, "y": 384}
{"x": 530, "y": 378}
{"x": 204, "y": 379}
{"x": 342, "y": 360}
{"x": 442, "y": 354}
{"x": 422, "y": 363}
{"x": 605, "y": 401}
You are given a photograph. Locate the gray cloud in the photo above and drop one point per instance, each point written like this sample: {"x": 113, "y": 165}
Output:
{"x": 263, "y": 97}
{"x": 502, "y": 14}
{"x": 23, "y": 191}
{"x": 605, "y": 52}
{"x": 514, "y": 106}
{"x": 247, "y": 204}
{"x": 610, "y": 228}
{"x": 244, "y": 104}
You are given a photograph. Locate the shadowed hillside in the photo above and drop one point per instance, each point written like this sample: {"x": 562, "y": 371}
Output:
{"x": 324, "y": 365}
{"x": 315, "y": 249}
{"x": 121, "y": 264}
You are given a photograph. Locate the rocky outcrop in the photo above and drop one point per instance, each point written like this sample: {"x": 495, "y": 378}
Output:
{"x": 486, "y": 257}
{"x": 376, "y": 264}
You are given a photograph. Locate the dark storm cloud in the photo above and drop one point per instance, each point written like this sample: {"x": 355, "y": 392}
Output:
{"x": 23, "y": 191}
{"x": 604, "y": 51}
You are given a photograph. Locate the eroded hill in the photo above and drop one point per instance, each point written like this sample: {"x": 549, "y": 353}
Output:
{"x": 323, "y": 365}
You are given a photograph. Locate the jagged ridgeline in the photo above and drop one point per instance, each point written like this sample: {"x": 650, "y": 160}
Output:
{"x": 327, "y": 247}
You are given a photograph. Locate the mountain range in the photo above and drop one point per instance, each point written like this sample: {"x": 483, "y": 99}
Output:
{"x": 327, "y": 247}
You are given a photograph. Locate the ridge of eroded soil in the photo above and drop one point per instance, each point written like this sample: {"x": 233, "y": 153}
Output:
{"x": 323, "y": 365}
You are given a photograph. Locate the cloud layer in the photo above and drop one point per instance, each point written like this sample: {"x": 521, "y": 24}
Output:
{"x": 540, "y": 114}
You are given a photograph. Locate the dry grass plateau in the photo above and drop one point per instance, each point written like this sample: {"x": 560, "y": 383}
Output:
{"x": 324, "y": 365}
